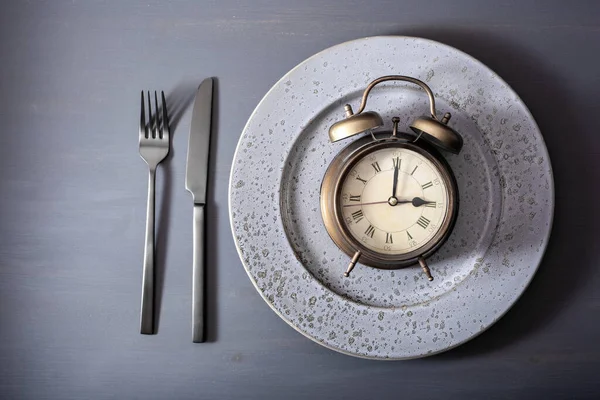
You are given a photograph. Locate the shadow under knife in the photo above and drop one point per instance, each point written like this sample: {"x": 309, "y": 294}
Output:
{"x": 177, "y": 102}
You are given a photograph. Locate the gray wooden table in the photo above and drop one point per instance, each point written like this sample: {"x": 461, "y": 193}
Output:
{"x": 73, "y": 193}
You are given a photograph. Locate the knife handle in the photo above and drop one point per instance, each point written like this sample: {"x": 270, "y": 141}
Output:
{"x": 198, "y": 275}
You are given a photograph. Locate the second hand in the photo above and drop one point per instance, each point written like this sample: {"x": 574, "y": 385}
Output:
{"x": 376, "y": 202}
{"x": 366, "y": 204}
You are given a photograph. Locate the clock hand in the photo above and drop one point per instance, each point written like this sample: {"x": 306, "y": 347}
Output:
{"x": 418, "y": 202}
{"x": 378, "y": 202}
{"x": 395, "y": 183}
{"x": 366, "y": 204}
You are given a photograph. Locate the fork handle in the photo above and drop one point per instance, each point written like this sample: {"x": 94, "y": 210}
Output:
{"x": 147, "y": 314}
{"x": 198, "y": 275}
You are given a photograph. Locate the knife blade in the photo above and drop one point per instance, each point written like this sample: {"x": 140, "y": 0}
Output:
{"x": 196, "y": 174}
{"x": 196, "y": 179}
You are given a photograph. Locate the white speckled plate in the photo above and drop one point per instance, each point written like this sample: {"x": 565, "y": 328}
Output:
{"x": 505, "y": 187}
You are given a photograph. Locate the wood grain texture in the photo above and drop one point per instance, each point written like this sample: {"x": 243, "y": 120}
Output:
{"x": 73, "y": 187}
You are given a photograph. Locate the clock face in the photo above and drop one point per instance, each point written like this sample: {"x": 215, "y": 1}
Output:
{"x": 393, "y": 201}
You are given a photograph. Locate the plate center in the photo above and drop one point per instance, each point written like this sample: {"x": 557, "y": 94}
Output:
{"x": 480, "y": 200}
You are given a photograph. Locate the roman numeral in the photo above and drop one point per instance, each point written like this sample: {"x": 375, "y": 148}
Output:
{"x": 357, "y": 215}
{"x": 408, "y": 234}
{"x": 388, "y": 238}
{"x": 431, "y": 204}
{"x": 427, "y": 185}
{"x": 414, "y": 170}
{"x": 376, "y": 166}
{"x": 360, "y": 179}
{"x": 370, "y": 231}
{"x": 354, "y": 198}
{"x": 423, "y": 222}
{"x": 397, "y": 161}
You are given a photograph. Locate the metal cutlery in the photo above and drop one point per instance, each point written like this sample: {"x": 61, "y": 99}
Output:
{"x": 196, "y": 179}
{"x": 154, "y": 147}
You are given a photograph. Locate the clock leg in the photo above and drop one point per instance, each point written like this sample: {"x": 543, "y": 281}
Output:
{"x": 425, "y": 268}
{"x": 352, "y": 263}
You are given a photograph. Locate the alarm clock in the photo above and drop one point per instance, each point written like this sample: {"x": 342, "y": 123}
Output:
{"x": 389, "y": 199}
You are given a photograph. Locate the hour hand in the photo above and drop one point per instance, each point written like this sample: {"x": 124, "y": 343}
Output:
{"x": 418, "y": 202}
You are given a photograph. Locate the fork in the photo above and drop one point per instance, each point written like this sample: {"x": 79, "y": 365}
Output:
{"x": 154, "y": 147}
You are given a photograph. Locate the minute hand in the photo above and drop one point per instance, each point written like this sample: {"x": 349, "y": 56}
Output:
{"x": 395, "y": 183}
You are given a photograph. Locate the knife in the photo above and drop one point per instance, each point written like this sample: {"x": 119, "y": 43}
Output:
{"x": 196, "y": 178}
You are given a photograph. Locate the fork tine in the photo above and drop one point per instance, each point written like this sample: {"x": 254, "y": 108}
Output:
{"x": 165, "y": 116}
{"x": 143, "y": 130}
{"x": 150, "y": 130}
{"x": 157, "y": 132}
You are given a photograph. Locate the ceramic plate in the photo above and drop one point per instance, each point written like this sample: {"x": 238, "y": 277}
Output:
{"x": 505, "y": 187}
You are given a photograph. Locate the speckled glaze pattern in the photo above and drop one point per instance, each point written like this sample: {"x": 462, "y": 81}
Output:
{"x": 505, "y": 188}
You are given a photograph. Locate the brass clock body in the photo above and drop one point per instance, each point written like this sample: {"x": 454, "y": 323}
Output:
{"x": 398, "y": 229}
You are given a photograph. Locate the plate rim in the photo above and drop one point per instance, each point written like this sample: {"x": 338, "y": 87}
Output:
{"x": 543, "y": 245}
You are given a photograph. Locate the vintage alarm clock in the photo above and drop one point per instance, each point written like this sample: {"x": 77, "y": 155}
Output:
{"x": 389, "y": 200}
